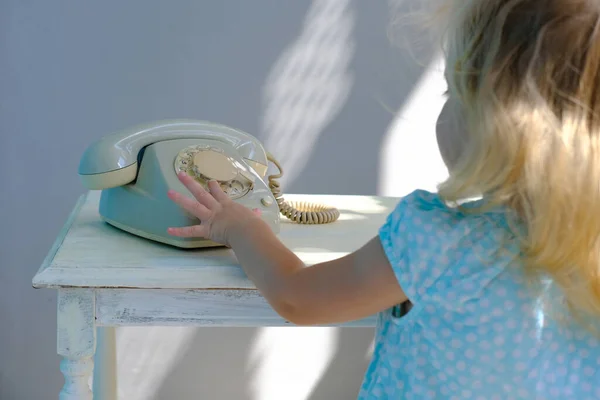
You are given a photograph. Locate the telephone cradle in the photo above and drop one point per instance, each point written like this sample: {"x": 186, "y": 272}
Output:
{"x": 136, "y": 167}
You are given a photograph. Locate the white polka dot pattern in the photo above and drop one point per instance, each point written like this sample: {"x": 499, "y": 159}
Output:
{"x": 475, "y": 330}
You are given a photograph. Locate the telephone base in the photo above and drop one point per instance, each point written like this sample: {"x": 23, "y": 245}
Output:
{"x": 172, "y": 241}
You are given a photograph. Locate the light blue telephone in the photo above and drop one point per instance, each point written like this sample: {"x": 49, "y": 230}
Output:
{"x": 136, "y": 167}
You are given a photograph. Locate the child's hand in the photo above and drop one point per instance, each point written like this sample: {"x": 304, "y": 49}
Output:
{"x": 220, "y": 217}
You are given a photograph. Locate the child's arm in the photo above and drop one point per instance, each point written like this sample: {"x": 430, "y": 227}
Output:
{"x": 349, "y": 288}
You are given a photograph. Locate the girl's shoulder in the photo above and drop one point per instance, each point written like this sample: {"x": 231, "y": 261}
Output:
{"x": 427, "y": 210}
{"x": 433, "y": 246}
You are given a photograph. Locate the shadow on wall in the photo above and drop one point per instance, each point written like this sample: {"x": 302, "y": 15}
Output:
{"x": 351, "y": 359}
{"x": 212, "y": 362}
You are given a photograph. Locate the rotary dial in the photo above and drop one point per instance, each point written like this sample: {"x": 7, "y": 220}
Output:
{"x": 205, "y": 163}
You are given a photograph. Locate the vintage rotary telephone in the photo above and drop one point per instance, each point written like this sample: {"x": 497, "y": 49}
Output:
{"x": 136, "y": 167}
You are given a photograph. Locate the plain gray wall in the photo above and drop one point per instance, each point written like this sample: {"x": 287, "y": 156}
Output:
{"x": 71, "y": 72}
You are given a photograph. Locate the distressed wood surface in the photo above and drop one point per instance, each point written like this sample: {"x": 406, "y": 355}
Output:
{"x": 76, "y": 341}
{"x": 231, "y": 308}
{"x": 91, "y": 253}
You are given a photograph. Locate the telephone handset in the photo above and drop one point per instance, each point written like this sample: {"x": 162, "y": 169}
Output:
{"x": 136, "y": 167}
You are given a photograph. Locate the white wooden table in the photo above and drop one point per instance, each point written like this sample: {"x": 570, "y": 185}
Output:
{"x": 108, "y": 278}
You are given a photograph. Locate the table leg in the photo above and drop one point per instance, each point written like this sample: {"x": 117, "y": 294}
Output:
{"x": 76, "y": 341}
{"x": 105, "y": 370}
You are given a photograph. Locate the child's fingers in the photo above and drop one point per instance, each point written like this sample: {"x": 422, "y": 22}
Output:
{"x": 190, "y": 205}
{"x": 197, "y": 190}
{"x": 216, "y": 191}
{"x": 189, "y": 231}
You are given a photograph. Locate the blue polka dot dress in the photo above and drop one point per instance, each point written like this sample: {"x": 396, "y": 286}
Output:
{"x": 477, "y": 329}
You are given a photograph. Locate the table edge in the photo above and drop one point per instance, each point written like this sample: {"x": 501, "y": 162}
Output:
{"x": 36, "y": 282}
{"x": 45, "y": 277}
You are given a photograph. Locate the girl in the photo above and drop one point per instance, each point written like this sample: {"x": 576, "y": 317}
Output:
{"x": 505, "y": 289}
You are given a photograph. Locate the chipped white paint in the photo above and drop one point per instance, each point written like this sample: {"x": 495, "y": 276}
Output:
{"x": 76, "y": 341}
{"x": 106, "y": 277}
{"x": 92, "y": 253}
{"x": 232, "y": 308}
{"x": 76, "y": 373}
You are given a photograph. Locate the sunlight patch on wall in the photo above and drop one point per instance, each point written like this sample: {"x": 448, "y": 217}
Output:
{"x": 287, "y": 363}
{"x": 308, "y": 85}
{"x": 409, "y": 157}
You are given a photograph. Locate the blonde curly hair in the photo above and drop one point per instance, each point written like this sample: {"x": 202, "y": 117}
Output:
{"x": 526, "y": 74}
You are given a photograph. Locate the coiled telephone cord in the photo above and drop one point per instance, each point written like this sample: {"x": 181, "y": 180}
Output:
{"x": 300, "y": 212}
